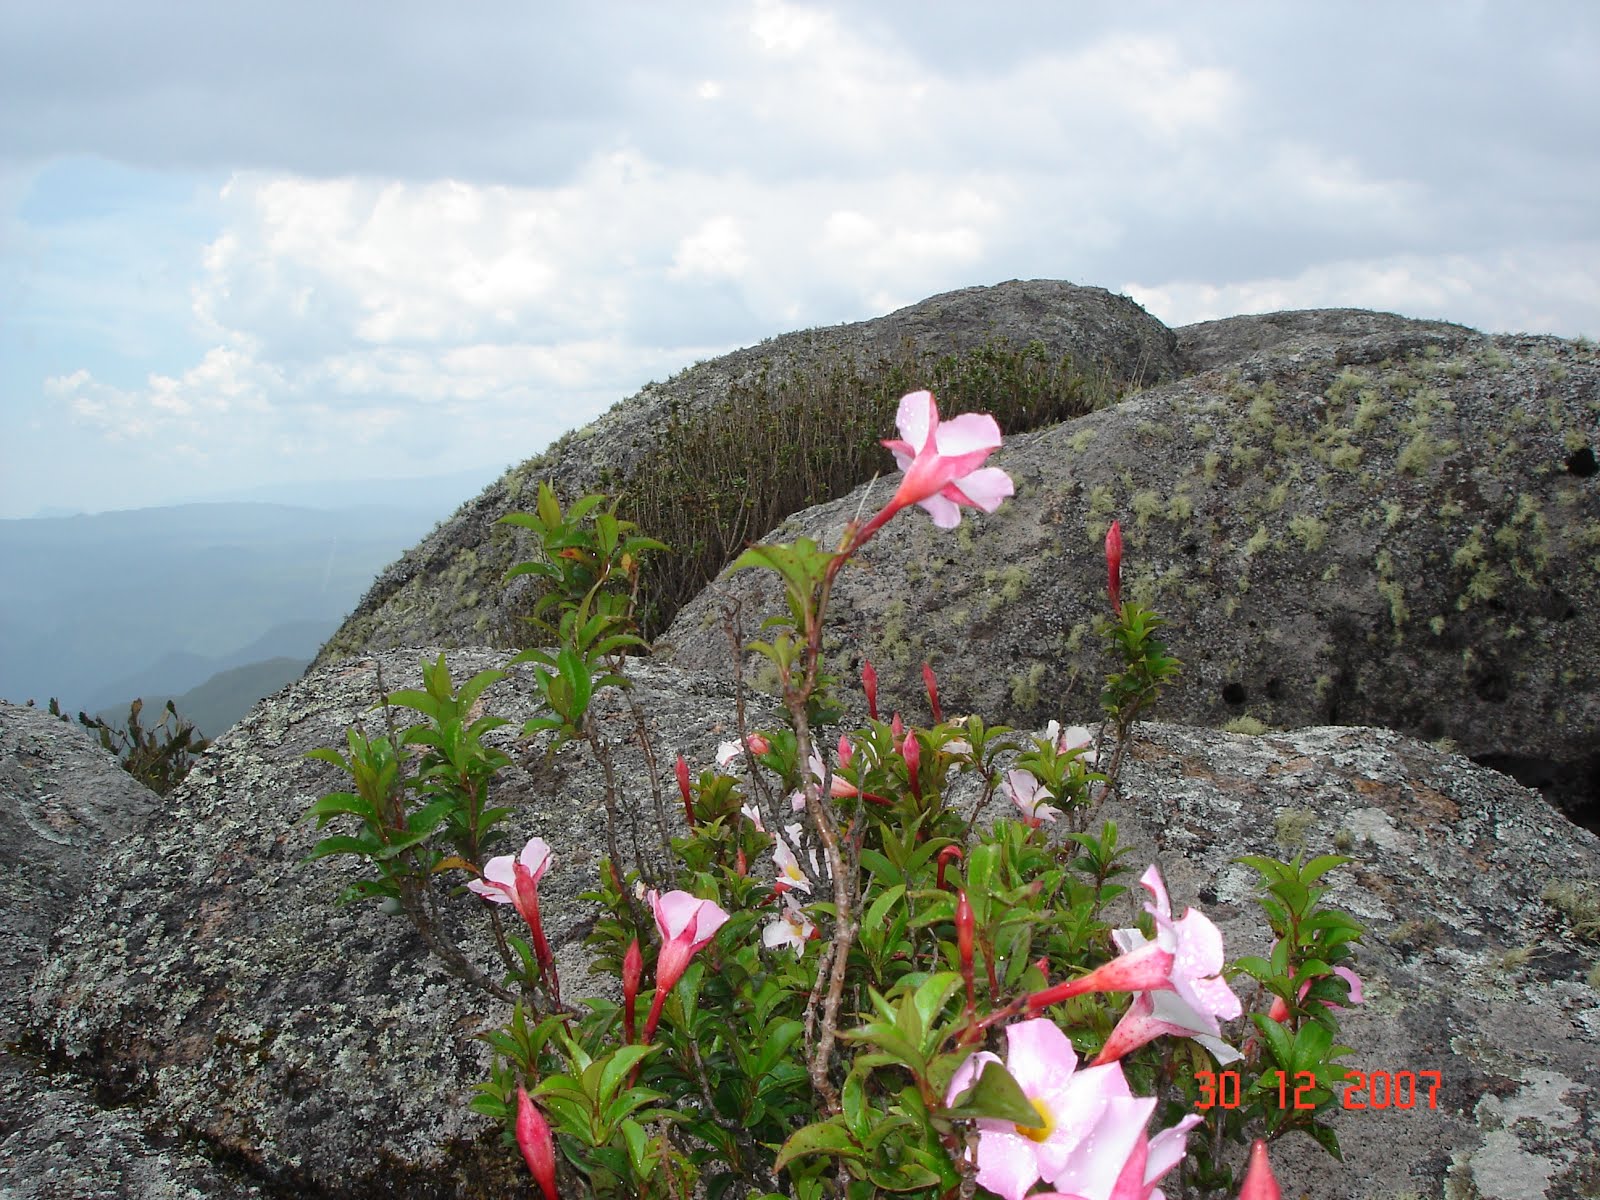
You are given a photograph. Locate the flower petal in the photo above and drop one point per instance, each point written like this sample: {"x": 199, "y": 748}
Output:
{"x": 917, "y": 417}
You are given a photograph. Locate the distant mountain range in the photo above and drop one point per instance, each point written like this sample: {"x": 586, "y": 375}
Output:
{"x": 215, "y": 604}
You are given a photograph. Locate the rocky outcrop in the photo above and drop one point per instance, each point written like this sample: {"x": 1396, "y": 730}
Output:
{"x": 1397, "y": 528}
{"x": 209, "y": 987}
{"x": 449, "y": 590}
{"x": 1212, "y": 344}
{"x": 65, "y": 804}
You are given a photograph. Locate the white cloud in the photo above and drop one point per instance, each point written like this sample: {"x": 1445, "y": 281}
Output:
{"x": 715, "y": 250}
{"x": 1537, "y": 288}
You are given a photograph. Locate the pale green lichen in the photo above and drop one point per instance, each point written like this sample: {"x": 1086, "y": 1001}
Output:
{"x": 1146, "y": 506}
{"x": 1345, "y": 458}
{"x": 1291, "y": 826}
{"x": 1247, "y": 725}
{"x": 1258, "y": 542}
{"x": 1311, "y": 532}
{"x": 1025, "y": 689}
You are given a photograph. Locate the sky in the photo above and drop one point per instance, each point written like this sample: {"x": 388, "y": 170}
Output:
{"x": 253, "y": 244}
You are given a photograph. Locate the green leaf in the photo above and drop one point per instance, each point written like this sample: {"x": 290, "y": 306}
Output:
{"x": 342, "y": 802}
{"x": 931, "y": 998}
{"x": 996, "y": 1096}
{"x": 617, "y": 1069}
{"x": 1320, "y": 866}
{"x": 342, "y": 845}
{"x": 828, "y": 1137}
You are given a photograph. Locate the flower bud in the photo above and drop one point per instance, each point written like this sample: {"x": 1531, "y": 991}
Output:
{"x": 964, "y": 934}
{"x": 632, "y": 973}
{"x": 683, "y": 790}
{"x": 869, "y": 684}
{"x": 945, "y": 857}
{"x": 1259, "y": 1183}
{"x": 537, "y": 1143}
{"x": 911, "y": 751}
{"x": 932, "y": 684}
{"x": 757, "y": 744}
{"x": 1114, "y": 565}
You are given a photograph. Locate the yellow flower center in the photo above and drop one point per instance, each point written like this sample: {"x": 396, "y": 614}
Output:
{"x": 1040, "y": 1132}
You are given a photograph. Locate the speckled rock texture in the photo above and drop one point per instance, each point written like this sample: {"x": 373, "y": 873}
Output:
{"x": 449, "y": 589}
{"x": 64, "y": 803}
{"x": 209, "y": 987}
{"x": 1399, "y": 527}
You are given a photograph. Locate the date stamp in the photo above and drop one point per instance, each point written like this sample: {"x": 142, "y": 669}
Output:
{"x": 1361, "y": 1089}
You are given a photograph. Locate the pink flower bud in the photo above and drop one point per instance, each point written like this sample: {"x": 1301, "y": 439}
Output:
{"x": 869, "y": 684}
{"x": 932, "y": 685}
{"x": 897, "y": 727}
{"x": 757, "y": 744}
{"x": 846, "y": 751}
{"x": 538, "y": 1146}
{"x": 1259, "y": 1183}
{"x": 1114, "y": 565}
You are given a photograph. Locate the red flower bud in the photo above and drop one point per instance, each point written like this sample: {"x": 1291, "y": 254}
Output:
{"x": 846, "y": 751}
{"x": 964, "y": 934}
{"x": 912, "y": 753}
{"x": 683, "y": 790}
{"x": 538, "y": 1146}
{"x": 632, "y": 973}
{"x": 946, "y": 855}
{"x": 932, "y": 685}
{"x": 1114, "y": 565}
{"x": 869, "y": 684}
{"x": 897, "y": 727}
{"x": 1259, "y": 1183}
{"x": 757, "y": 744}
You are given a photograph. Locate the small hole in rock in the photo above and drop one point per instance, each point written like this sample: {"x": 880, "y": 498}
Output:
{"x": 1582, "y": 463}
{"x": 1233, "y": 693}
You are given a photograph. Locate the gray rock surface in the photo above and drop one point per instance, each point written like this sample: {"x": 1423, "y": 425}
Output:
{"x": 449, "y": 589}
{"x": 210, "y": 984}
{"x": 1211, "y": 344}
{"x": 1336, "y": 535}
{"x": 65, "y": 804}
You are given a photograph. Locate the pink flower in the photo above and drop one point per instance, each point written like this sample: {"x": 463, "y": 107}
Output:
{"x": 1114, "y": 565}
{"x": 783, "y": 857}
{"x": 1259, "y": 1182}
{"x": 791, "y": 928}
{"x": 686, "y": 923}
{"x": 1090, "y": 1138}
{"x": 1029, "y": 795}
{"x": 516, "y": 881}
{"x": 1178, "y": 977}
{"x": 1195, "y": 999}
{"x": 943, "y": 464}
{"x": 1073, "y": 737}
{"x": 537, "y": 1145}
{"x": 730, "y": 750}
